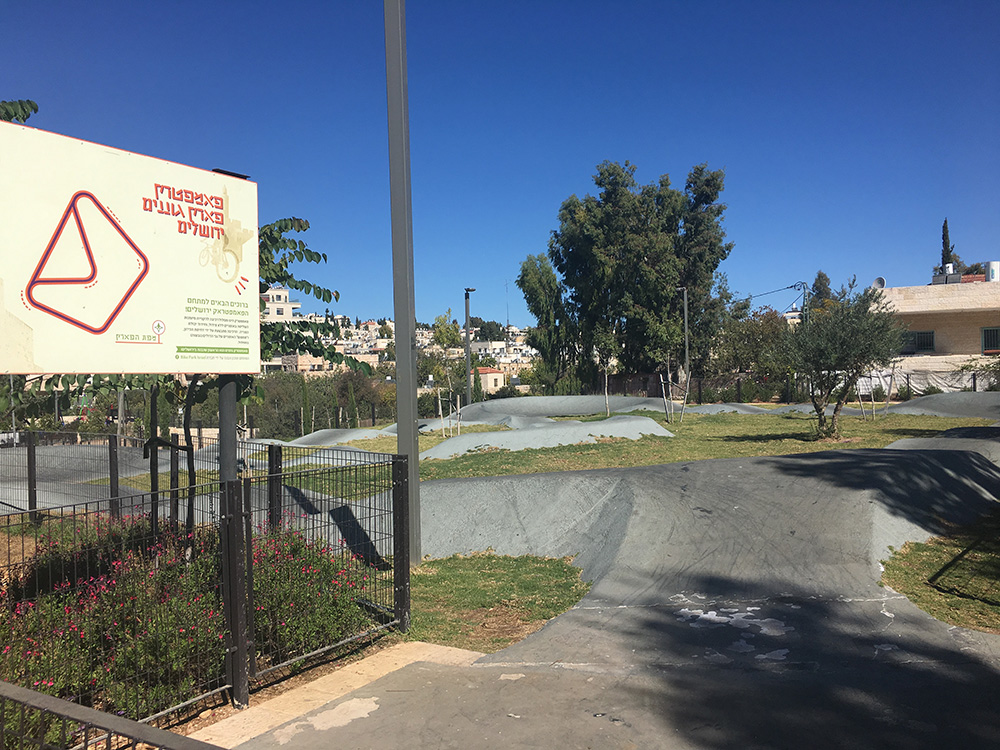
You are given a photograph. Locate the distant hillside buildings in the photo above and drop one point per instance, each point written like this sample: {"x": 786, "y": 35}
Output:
{"x": 361, "y": 340}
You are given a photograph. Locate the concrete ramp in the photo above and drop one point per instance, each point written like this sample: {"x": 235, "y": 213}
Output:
{"x": 823, "y": 520}
{"x": 735, "y": 604}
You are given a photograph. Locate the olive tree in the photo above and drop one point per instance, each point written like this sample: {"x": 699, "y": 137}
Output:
{"x": 852, "y": 334}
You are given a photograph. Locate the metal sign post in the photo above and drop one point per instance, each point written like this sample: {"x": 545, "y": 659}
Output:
{"x": 404, "y": 305}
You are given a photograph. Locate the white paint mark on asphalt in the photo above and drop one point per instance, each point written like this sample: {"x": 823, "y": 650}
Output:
{"x": 338, "y": 716}
{"x": 776, "y": 655}
{"x": 880, "y": 647}
{"x": 714, "y": 657}
{"x": 511, "y": 676}
{"x": 699, "y": 618}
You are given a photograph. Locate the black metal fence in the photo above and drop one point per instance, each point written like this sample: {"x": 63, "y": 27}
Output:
{"x": 30, "y": 720}
{"x": 139, "y": 604}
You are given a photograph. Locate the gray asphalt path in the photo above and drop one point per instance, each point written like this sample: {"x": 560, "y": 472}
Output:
{"x": 735, "y": 604}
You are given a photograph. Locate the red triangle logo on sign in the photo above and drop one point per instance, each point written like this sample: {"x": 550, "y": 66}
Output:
{"x": 90, "y": 268}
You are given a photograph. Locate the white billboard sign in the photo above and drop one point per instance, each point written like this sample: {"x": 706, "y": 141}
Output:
{"x": 113, "y": 262}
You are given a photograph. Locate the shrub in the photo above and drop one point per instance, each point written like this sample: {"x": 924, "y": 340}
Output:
{"x": 105, "y": 615}
{"x": 931, "y": 390}
{"x": 305, "y": 594}
{"x": 878, "y": 393}
{"x": 903, "y": 393}
{"x": 508, "y": 391}
{"x": 131, "y": 632}
{"x": 708, "y": 395}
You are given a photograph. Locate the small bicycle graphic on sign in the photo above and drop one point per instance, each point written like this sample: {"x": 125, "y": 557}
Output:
{"x": 227, "y": 265}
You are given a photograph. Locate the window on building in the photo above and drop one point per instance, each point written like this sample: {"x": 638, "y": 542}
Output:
{"x": 991, "y": 341}
{"x": 918, "y": 341}
{"x": 279, "y": 311}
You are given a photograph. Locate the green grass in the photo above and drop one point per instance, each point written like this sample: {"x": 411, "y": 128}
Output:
{"x": 698, "y": 437}
{"x": 954, "y": 578}
{"x": 344, "y": 482}
{"x": 425, "y": 440}
{"x": 485, "y": 602}
{"x": 142, "y": 482}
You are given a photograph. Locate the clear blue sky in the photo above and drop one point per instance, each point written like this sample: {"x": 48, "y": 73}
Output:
{"x": 848, "y": 130}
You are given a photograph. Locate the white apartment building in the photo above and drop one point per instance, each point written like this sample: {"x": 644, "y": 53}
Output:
{"x": 278, "y": 305}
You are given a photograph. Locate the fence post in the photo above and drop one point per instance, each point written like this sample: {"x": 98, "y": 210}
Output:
{"x": 739, "y": 390}
{"x": 973, "y": 382}
{"x": 29, "y": 441}
{"x": 248, "y": 542}
{"x": 373, "y": 411}
{"x": 154, "y": 463}
{"x": 235, "y": 592}
{"x": 699, "y": 389}
{"x": 201, "y": 443}
{"x": 174, "y": 483}
{"x": 273, "y": 487}
{"x": 114, "y": 504}
{"x": 401, "y": 541}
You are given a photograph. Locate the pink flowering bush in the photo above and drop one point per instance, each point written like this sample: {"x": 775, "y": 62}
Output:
{"x": 104, "y": 615}
{"x": 305, "y": 595}
{"x": 114, "y": 624}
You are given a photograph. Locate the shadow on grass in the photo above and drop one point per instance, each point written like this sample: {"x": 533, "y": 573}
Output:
{"x": 916, "y": 432}
{"x": 808, "y": 436}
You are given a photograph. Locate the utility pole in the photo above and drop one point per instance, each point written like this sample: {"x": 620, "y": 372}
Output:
{"x": 468, "y": 351}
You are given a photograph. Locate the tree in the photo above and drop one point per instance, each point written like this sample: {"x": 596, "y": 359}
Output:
{"x": 18, "y": 110}
{"x": 820, "y": 291}
{"x": 447, "y": 335}
{"x": 624, "y": 254}
{"x": 948, "y": 255}
{"x": 553, "y": 338}
{"x": 947, "y": 249}
{"x": 477, "y": 386}
{"x": 839, "y": 342}
{"x": 489, "y": 330}
{"x": 754, "y": 342}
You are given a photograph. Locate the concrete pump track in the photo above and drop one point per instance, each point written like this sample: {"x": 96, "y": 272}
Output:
{"x": 735, "y": 604}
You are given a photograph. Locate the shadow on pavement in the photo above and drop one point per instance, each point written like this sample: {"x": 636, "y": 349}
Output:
{"x": 831, "y": 680}
{"x": 923, "y": 487}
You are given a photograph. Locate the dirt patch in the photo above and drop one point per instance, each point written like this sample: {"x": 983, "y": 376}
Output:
{"x": 15, "y": 548}
{"x": 506, "y": 622}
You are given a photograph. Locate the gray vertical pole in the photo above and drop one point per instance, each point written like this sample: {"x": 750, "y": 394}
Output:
{"x": 175, "y": 495}
{"x": 404, "y": 305}
{"x": 154, "y": 462}
{"x": 234, "y": 563}
{"x": 400, "y": 542}
{"x": 114, "y": 504}
{"x": 273, "y": 487}
{"x": 33, "y": 516}
{"x": 468, "y": 353}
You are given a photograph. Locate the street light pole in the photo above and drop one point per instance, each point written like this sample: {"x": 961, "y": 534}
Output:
{"x": 468, "y": 350}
